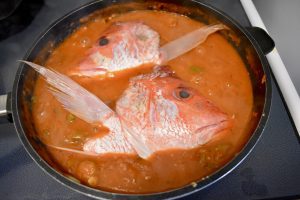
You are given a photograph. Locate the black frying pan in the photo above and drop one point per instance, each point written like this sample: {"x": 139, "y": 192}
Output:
{"x": 253, "y": 44}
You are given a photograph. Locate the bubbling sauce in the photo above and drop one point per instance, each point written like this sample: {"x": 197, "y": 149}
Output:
{"x": 214, "y": 68}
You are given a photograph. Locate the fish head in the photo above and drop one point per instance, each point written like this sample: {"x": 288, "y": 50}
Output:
{"x": 122, "y": 46}
{"x": 188, "y": 105}
{"x": 168, "y": 113}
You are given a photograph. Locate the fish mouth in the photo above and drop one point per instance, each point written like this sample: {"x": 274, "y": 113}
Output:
{"x": 216, "y": 127}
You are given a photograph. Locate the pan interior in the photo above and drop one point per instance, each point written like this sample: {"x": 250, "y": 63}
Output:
{"x": 68, "y": 24}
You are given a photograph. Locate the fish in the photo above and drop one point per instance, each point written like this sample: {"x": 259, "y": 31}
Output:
{"x": 127, "y": 45}
{"x": 123, "y": 45}
{"x": 163, "y": 112}
{"x": 157, "y": 112}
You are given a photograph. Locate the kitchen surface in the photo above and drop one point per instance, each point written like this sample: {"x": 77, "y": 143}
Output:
{"x": 271, "y": 170}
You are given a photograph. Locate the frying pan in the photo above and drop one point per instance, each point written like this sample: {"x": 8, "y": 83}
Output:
{"x": 250, "y": 42}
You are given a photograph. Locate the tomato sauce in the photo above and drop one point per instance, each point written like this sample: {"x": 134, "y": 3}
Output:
{"x": 214, "y": 68}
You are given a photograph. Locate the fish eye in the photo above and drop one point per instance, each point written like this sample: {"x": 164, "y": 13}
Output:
{"x": 103, "y": 41}
{"x": 182, "y": 93}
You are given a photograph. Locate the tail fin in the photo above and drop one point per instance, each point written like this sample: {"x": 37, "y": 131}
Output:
{"x": 74, "y": 97}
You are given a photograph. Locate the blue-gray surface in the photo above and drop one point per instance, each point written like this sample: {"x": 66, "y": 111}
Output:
{"x": 282, "y": 21}
{"x": 271, "y": 170}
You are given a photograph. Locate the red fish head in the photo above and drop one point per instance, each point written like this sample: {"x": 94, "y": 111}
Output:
{"x": 122, "y": 46}
{"x": 196, "y": 111}
{"x": 168, "y": 113}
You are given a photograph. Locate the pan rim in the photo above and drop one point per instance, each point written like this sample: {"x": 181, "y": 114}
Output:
{"x": 170, "y": 194}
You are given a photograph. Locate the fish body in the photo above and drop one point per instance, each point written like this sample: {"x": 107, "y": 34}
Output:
{"x": 113, "y": 142}
{"x": 122, "y": 46}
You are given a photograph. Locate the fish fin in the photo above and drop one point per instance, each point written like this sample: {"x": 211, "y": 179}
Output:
{"x": 187, "y": 42}
{"x": 74, "y": 97}
{"x": 137, "y": 143}
{"x": 72, "y": 150}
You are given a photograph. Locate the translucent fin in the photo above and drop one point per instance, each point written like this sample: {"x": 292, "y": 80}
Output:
{"x": 187, "y": 42}
{"x": 139, "y": 146}
{"x": 74, "y": 97}
{"x": 72, "y": 150}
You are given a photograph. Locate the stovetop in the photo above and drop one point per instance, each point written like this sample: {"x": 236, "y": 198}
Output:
{"x": 272, "y": 170}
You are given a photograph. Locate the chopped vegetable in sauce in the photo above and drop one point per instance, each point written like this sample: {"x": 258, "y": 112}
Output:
{"x": 71, "y": 118}
{"x": 196, "y": 69}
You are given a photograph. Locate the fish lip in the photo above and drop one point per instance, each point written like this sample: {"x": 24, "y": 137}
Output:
{"x": 221, "y": 125}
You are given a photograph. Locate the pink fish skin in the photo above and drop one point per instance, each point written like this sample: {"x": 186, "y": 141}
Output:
{"x": 162, "y": 112}
{"x": 123, "y": 45}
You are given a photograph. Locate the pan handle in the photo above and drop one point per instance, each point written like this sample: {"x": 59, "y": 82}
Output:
{"x": 265, "y": 42}
{"x": 5, "y": 108}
